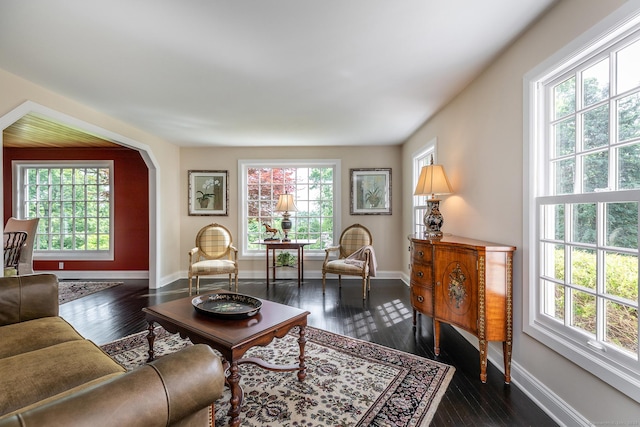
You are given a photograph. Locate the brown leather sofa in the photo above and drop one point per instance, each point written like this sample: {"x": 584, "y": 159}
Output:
{"x": 51, "y": 376}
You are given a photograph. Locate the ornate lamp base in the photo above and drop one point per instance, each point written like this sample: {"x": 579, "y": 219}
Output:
{"x": 433, "y": 219}
{"x": 285, "y": 224}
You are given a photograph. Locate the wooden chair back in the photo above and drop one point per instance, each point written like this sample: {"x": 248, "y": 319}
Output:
{"x": 13, "y": 244}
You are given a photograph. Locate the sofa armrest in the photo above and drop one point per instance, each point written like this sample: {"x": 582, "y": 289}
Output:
{"x": 28, "y": 297}
{"x": 160, "y": 393}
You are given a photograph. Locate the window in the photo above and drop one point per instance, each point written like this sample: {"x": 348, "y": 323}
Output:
{"x": 420, "y": 159}
{"x": 584, "y": 199}
{"x": 74, "y": 203}
{"x": 315, "y": 186}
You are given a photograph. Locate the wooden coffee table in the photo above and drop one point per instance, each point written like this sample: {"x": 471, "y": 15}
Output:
{"x": 232, "y": 338}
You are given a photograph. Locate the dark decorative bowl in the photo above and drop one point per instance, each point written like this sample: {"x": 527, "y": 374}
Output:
{"x": 227, "y": 305}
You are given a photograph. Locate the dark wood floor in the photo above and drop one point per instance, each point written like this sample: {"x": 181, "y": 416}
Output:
{"x": 385, "y": 318}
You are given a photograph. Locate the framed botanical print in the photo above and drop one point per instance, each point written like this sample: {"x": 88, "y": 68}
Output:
{"x": 208, "y": 193}
{"x": 370, "y": 191}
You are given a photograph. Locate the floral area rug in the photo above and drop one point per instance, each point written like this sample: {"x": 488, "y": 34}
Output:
{"x": 69, "y": 291}
{"x": 349, "y": 382}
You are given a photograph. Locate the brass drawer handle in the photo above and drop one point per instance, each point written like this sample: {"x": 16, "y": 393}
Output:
{"x": 421, "y": 254}
{"x": 420, "y": 298}
{"x": 420, "y": 274}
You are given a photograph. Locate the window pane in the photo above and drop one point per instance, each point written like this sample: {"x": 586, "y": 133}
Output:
{"x": 553, "y": 256}
{"x": 629, "y": 117}
{"x": 313, "y": 200}
{"x": 621, "y": 275}
{"x": 553, "y": 300}
{"x": 629, "y": 167}
{"x": 595, "y": 170}
{"x": 596, "y": 127}
{"x": 622, "y": 225}
{"x": 565, "y": 136}
{"x": 622, "y": 326}
{"x": 583, "y": 268}
{"x": 564, "y": 96}
{"x": 583, "y": 311}
{"x": 564, "y": 176}
{"x": 63, "y": 207}
{"x": 584, "y": 223}
{"x": 628, "y": 67}
{"x": 595, "y": 82}
{"x": 553, "y": 222}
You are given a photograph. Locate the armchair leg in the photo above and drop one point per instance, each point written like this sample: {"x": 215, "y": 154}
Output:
{"x": 190, "y": 278}
{"x": 236, "y": 283}
{"x": 364, "y": 288}
{"x": 230, "y": 283}
{"x": 323, "y": 277}
{"x": 197, "y": 285}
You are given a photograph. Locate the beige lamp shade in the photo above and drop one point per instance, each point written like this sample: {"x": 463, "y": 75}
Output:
{"x": 432, "y": 181}
{"x": 286, "y": 203}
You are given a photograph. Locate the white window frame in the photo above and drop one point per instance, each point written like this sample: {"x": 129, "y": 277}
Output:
{"x": 18, "y": 168}
{"x": 421, "y": 158}
{"x": 605, "y": 363}
{"x": 245, "y": 164}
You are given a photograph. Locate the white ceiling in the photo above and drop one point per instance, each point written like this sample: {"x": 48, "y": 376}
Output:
{"x": 268, "y": 72}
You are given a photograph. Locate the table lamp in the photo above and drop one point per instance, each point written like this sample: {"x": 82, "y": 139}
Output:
{"x": 432, "y": 181}
{"x": 285, "y": 205}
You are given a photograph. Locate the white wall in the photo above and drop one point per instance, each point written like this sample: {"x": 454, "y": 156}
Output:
{"x": 480, "y": 143}
{"x": 388, "y": 241}
{"x": 16, "y": 91}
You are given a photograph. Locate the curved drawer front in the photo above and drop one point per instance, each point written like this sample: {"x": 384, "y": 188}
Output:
{"x": 421, "y": 275}
{"x": 421, "y": 254}
{"x": 422, "y": 299}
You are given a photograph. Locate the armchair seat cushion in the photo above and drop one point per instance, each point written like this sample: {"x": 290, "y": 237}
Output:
{"x": 35, "y": 334}
{"x": 343, "y": 266}
{"x": 213, "y": 266}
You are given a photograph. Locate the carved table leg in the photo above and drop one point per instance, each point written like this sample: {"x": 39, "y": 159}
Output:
{"x": 436, "y": 337}
{"x": 483, "y": 360}
{"x": 506, "y": 352}
{"x": 302, "y": 373}
{"x": 236, "y": 394}
{"x": 151, "y": 337}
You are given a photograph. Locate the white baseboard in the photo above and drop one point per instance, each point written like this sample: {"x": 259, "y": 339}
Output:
{"x": 102, "y": 275}
{"x": 292, "y": 274}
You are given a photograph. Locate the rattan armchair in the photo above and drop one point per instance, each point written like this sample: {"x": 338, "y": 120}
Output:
{"x": 213, "y": 254}
{"x": 354, "y": 240}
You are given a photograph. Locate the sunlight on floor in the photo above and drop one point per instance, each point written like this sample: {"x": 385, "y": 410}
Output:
{"x": 362, "y": 324}
{"x": 394, "y": 312}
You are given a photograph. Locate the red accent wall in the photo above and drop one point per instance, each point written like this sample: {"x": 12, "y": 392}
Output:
{"x": 131, "y": 204}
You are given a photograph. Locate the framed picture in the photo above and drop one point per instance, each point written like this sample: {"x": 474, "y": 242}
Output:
{"x": 370, "y": 191}
{"x": 208, "y": 193}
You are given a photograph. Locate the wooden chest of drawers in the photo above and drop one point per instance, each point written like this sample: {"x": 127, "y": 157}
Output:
{"x": 467, "y": 283}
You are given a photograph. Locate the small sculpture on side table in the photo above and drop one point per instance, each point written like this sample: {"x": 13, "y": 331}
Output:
{"x": 271, "y": 232}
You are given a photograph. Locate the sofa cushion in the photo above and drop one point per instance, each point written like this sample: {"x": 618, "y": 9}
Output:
{"x": 28, "y": 297}
{"x": 35, "y": 334}
{"x": 36, "y": 375}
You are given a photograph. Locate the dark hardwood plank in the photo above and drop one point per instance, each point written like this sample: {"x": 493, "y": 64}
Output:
{"x": 384, "y": 318}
